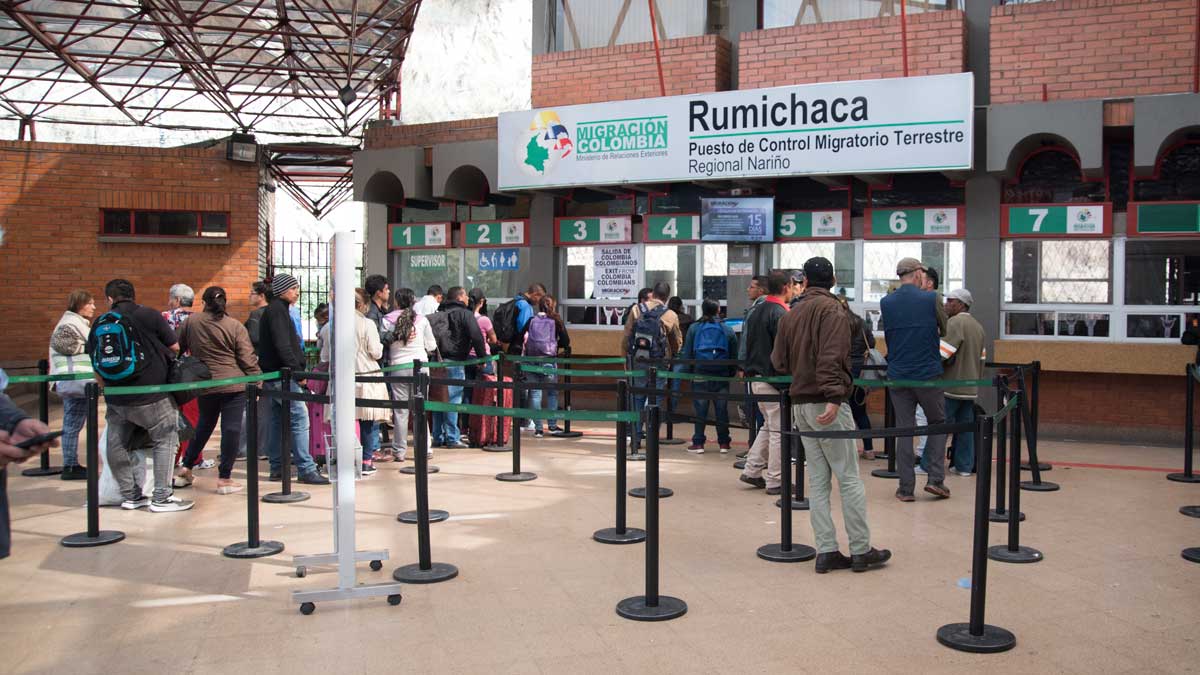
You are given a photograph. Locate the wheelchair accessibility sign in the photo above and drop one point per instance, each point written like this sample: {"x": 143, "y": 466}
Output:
{"x": 498, "y": 259}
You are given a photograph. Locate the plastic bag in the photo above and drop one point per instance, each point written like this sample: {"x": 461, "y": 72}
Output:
{"x": 143, "y": 467}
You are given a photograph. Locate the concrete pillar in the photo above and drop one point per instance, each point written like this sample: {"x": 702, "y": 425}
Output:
{"x": 377, "y": 260}
{"x": 982, "y": 252}
{"x": 543, "y": 263}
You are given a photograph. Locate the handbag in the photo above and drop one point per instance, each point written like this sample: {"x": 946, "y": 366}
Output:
{"x": 186, "y": 369}
{"x": 872, "y": 357}
{"x": 438, "y": 392}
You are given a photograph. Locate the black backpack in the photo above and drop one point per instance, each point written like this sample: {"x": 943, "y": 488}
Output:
{"x": 649, "y": 340}
{"x": 439, "y": 322}
{"x": 504, "y": 322}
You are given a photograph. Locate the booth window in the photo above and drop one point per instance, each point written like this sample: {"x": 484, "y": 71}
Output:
{"x": 422, "y": 268}
{"x": 126, "y": 222}
{"x": 1164, "y": 274}
{"x": 1048, "y": 284}
{"x": 880, "y": 258}
{"x": 793, "y": 255}
{"x": 496, "y": 284}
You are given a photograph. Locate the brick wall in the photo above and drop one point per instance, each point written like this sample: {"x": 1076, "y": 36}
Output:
{"x": 864, "y": 49}
{"x": 1091, "y": 49}
{"x": 403, "y": 135}
{"x": 50, "y": 200}
{"x": 690, "y": 65}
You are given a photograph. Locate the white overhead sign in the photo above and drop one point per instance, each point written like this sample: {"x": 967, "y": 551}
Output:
{"x": 867, "y": 126}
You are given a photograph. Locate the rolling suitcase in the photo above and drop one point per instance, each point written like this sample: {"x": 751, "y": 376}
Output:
{"x": 489, "y": 430}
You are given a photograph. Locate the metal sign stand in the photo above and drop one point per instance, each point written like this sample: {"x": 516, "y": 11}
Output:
{"x": 342, "y": 389}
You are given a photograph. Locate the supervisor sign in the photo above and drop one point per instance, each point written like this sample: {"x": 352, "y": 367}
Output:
{"x": 869, "y": 126}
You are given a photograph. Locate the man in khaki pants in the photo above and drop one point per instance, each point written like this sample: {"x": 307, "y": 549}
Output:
{"x": 813, "y": 344}
{"x": 759, "y": 336}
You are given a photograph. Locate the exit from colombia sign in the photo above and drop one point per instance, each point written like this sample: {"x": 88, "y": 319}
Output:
{"x": 868, "y": 126}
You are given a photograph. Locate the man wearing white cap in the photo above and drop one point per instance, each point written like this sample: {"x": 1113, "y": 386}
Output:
{"x": 964, "y": 344}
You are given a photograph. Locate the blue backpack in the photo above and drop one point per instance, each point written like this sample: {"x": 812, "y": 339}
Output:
{"x": 118, "y": 353}
{"x": 710, "y": 344}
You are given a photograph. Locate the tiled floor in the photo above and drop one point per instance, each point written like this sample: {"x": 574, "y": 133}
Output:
{"x": 536, "y": 594}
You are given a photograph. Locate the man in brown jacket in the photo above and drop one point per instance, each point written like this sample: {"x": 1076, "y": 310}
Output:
{"x": 813, "y": 344}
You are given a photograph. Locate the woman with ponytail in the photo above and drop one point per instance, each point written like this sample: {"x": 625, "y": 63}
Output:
{"x": 413, "y": 341}
{"x": 223, "y": 344}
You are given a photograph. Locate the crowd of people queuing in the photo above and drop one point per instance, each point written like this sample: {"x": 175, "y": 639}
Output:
{"x": 795, "y": 326}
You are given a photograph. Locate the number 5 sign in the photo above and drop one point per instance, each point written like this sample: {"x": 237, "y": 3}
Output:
{"x": 928, "y": 222}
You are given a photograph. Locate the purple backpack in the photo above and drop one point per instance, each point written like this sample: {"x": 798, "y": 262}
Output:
{"x": 541, "y": 337}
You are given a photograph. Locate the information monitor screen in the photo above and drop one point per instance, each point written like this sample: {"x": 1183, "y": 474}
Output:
{"x": 737, "y": 219}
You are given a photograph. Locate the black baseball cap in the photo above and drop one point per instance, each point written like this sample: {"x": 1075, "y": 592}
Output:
{"x": 819, "y": 272}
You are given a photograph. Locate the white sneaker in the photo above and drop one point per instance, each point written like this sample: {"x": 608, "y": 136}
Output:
{"x": 696, "y": 451}
{"x": 170, "y": 504}
{"x": 135, "y": 504}
{"x": 919, "y": 471}
{"x": 207, "y": 464}
{"x": 964, "y": 474}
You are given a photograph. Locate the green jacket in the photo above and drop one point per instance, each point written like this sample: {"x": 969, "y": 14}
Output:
{"x": 965, "y": 334}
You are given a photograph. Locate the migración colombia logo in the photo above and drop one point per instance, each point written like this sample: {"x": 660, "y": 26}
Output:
{"x": 547, "y": 143}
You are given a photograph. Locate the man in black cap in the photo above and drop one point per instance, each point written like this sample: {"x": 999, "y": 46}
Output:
{"x": 279, "y": 347}
{"x": 813, "y": 345}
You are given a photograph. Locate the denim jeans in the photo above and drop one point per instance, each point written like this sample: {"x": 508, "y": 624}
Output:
{"x": 368, "y": 432}
{"x": 640, "y": 402}
{"x": 74, "y": 417}
{"x": 300, "y": 455}
{"x": 720, "y": 409}
{"x": 158, "y": 419}
{"x": 958, "y": 411}
{"x": 229, "y": 408}
{"x": 537, "y": 396}
{"x": 445, "y": 425}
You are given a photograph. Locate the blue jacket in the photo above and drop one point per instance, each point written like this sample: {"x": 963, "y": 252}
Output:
{"x": 525, "y": 312}
{"x": 911, "y": 330}
{"x": 689, "y": 349}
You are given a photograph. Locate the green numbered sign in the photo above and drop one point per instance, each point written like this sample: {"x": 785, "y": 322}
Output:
{"x": 915, "y": 223}
{"x": 805, "y": 225}
{"x": 676, "y": 227}
{"x": 1163, "y": 218}
{"x": 418, "y": 235}
{"x": 1050, "y": 220}
{"x": 585, "y": 231}
{"x": 483, "y": 233}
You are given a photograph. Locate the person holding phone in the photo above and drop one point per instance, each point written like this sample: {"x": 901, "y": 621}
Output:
{"x": 19, "y": 440}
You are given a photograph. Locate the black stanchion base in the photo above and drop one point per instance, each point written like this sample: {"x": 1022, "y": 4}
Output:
{"x": 797, "y": 504}
{"x": 671, "y": 441}
{"x": 775, "y": 553}
{"x": 413, "y": 574}
{"x": 82, "y": 540}
{"x": 884, "y": 473}
{"x": 566, "y": 434}
{"x": 609, "y": 535}
{"x": 435, "y": 516}
{"x": 1191, "y": 554}
{"x": 997, "y": 517}
{"x": 1044, "y": 486}
{"x": 636, "y": 608}
{"x": 289, "y": 498}
{"x": 994, "y": 639}
{"x": 635, "y": 457}
{"x": 1023, "y": 554}
{"x": 243, "y": 549}
{"x": 1190, "y": 511}
{"x": 516, "y": 477}
{"x": 740, "y": 465}
{"x": 1042, "y": 466}
{"x": 39, "y": 471}
{"x": 412, "y": 470}
{"x": 640, "y": 492}
{"x": 496, "y": 448}
{"x": 1177, "y": 477}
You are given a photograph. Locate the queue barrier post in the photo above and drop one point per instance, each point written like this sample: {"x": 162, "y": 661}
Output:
{"x": 670, "y": 390}
{"x": 976, "y": 636}
{"x": 889, "y": 443}
{"x": 1024, "y": 411}
{"x": 1000, "y": 513}
{"x": 43, "y": 468}
{"x": 1012, "y": 551}
{"x": 253, "y": 547}
{"x": 620, "y": 534}
{"x": 435, "y": 515}
{"x": 94, "y": 536}
{"x": 1035, "y": 376}
{"x": 568, "y": 404}
{"x": 411, "y": 469}
{"x": 652, "y": 606}
{"x": 1188, "y": 430}
{"x": 651, "y": 386}
{"x": 785, "y": 551}
{"x": 794, "y": 450}
{"x": 517, "y": 475}
{"x": 285, "y": 496}
{"x": 424, "y": 571}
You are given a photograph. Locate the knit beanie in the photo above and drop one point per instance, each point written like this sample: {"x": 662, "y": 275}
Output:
{"x": 283, "y": 283}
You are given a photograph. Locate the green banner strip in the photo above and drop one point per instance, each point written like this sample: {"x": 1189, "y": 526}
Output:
{"x": 584, "y": 373}
{"x": 1008, "y": 407}
{"x": 531, "y": 414}
{"x": 25, "y": 379}
{"x": 787, "y": 379}
{"x": 188, "y": 386}
{"x": 597, "y": 361}
{"x": 441, "y": 364}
